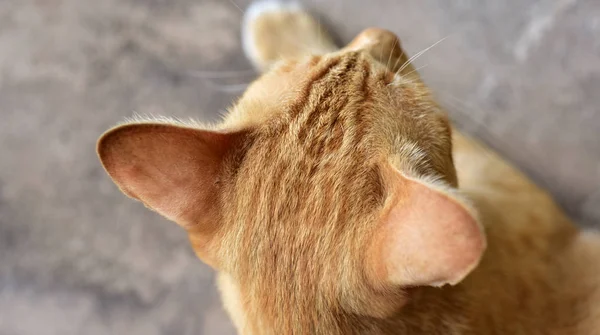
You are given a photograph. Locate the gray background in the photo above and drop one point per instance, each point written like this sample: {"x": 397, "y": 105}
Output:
{"x": 77, "y": 257}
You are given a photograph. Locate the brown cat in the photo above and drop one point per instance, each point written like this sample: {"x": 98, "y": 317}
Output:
{"x": 329, "y": 201}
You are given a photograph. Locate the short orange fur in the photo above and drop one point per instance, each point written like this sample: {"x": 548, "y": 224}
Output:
{"x": 328, "y": 201}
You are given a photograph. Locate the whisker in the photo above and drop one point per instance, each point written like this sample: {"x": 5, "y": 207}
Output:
{"x": 387, "y": 64}
{"x": 398, "y": 60}
{"x": 236, "y": 5}
{"x": 406, "y": 79}
{"x": 410, "y": 60}
{"x": 419, "y": 54}
{"x": 415, "y": 70}
{"x": 380, "y": 51}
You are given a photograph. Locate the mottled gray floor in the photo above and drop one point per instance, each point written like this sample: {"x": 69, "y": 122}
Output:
{"x": 77, "y": 257}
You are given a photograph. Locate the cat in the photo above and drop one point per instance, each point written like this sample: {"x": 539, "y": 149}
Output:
{"x": 336, "y": 198}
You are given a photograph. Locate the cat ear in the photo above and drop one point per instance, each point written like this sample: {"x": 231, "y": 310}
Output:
{"x": 425, "y": 237}
{"x": 173, "y": 170}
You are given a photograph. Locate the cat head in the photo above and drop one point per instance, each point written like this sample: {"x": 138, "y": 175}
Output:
{"x": 327, "y": 191}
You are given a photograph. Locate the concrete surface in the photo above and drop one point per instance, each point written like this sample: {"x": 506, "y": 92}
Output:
{"x": 77, "y": 257}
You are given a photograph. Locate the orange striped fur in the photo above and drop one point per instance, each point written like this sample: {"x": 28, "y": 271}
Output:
{"x": 302, "y": 198}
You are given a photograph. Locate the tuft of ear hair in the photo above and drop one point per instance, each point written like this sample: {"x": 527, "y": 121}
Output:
{"x": 425, "y": 237}
{"x": 173, "y": 170}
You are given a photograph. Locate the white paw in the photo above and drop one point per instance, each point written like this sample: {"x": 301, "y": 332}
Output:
{"x": 255, "y": 10}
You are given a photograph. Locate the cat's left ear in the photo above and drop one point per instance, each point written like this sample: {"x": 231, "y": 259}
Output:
{"x": 174, "y": 170}
{"x": 426, "y": 236}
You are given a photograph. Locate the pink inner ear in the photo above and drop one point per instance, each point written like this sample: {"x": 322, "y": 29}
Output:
{"x": 427, "y": 238}
{"x": 171, "y": 169}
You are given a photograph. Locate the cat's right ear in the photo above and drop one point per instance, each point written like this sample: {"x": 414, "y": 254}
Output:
{"x": 425, "y": 236}
{"x": 175, "y": 171}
